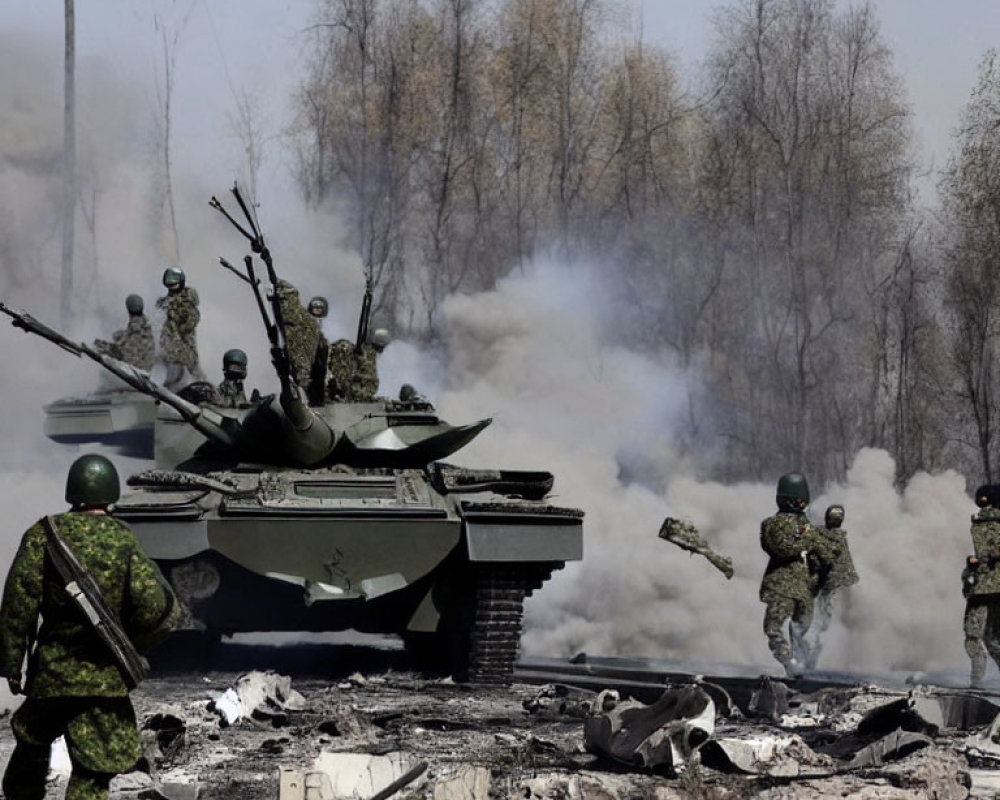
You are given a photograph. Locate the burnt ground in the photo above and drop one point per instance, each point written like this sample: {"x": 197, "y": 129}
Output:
{"x": 365, "y": 700}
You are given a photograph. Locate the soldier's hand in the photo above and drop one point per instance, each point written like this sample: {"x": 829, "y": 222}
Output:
{"x": 14, "y": 684}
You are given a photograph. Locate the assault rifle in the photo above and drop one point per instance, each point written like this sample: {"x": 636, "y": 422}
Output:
{"x": 86, "y": 595}
{"x": 215, "y": 426}
{"x": 276, "y": 328}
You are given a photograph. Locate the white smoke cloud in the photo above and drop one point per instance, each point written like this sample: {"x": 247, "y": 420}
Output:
{"x": 532, "y": 353}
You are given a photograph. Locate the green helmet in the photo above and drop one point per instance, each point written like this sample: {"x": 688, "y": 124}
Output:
{"x": 793, "y": 492}
{"x": 834, "y": 516}
{"x": 984, "y": 495}
{"x": 173, "y": 276}
{"x": 92, "y": 481}
{"x": 234, "y": 362}
{"x": 380, "y": 338}
{"x": 133, "y": 304}
{"x": 318, "y": 307}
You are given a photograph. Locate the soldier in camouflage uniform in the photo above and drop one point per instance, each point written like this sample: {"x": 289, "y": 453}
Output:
{"x": 353, "y": 376}
{"x": 830, "y": 581}
{"x": 234, "y": 372}
{"x": 981, "y": 585}
{"x": 134, "y": 343}
{"x": 74, "y": 687}
{"x": 789, "y": 539}
{"x": 301, "y": 334}
{"x": 178, "y": 340}
{"x": 318, "y": 309}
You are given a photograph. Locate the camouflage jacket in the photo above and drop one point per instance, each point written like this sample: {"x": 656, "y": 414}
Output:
{"x": 352, "y": 377}
{"x": 135, "y": 342}
{"x": 178, "y": 342}
{"x": 839, "y": 571}
{"x": 69, "y": 659}
{"x": 231, "y": 394}
{"x": 789, "y": 539}
{"x": 302, "y": 334}
{"x": 986, "y": 546}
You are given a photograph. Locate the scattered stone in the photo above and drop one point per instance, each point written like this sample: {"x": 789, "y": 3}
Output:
{"x": 260, "y": 695}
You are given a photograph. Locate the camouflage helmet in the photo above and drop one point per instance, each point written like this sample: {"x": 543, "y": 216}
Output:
{"x": 234, "y": 362}
{"x": 318, "y": 307}
{"x": 834, "y": 516}
{"x": 173, "y": 277}
{"x": 92, "y": 481}
{"x": 380, "y": 338}
{"x": 793, "y": 492}
{"x": 133, "y": 304}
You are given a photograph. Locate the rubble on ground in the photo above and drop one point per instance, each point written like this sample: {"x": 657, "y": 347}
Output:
{"x": 401, "y": 736}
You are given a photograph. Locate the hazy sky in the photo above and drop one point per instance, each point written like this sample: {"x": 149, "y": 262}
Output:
{"x": 230, "y": 46}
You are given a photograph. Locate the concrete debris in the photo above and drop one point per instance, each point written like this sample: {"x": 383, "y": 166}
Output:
{"x": 558, "y": 699}
{"x": 465, "y": 783}
{"x": 983, "y": 748}
{"x": 663, "y": 735}
{"x": 891, "y": 747}
{"x": 135, "y": 781}
{"x": 173, "y": 791}
{"x": 258, "y": 695}
{"x": 777, "y": 755}
{"x": 347, "y": 776}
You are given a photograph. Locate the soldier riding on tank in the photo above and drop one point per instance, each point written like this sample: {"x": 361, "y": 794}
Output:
{"x": 234, "y": 372}
{"x": 132, "y": 344}
{"x": 178, "y": 338}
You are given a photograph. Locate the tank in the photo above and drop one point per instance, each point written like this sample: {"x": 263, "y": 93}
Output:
{"x": 285, "y": 517}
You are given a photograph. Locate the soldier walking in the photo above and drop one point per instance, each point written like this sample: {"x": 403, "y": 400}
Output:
{"x": 178, "y": 340}
{"x": 789, "y": 539}
{"x": 75, "y": 687}
{"x": 981, "y": 585}
{"x": 831, "y": 581}
{"x": 134, "y": 343}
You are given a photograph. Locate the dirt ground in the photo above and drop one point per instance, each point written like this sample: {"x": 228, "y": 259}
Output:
{"x": 364, "y": 701}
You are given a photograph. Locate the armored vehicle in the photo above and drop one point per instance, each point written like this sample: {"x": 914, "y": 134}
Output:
{"x": 284, "y": 516}
{"x": 117, "y": 417}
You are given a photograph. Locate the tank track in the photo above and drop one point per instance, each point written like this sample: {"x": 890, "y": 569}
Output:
{"x": 495, "y": 635}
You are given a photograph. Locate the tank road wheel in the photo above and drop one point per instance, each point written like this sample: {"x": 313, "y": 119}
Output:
{"x": 486, "y": 648}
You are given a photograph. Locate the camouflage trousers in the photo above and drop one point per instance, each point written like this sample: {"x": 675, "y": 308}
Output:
{"x": 101, "y": 737}
{"x": 982, "y": 633}
{"x": 798, "y": 613}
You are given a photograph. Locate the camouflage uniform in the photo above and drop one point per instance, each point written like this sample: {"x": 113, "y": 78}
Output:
{"x": 788, "y": 538}
{"x": 133, "y": 344}
{"x": 302, "y": 334}
{"x": 981, "y": 586}
{"x": 74, "y": 688}
{"x": 231, "y": 393}
{"x": 352, "y": 377}
{"x": 830, "y": 579}
{"x": 178, "y": 339}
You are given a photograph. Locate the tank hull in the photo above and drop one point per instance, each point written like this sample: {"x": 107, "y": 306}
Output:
{"x": 381, "y": 551}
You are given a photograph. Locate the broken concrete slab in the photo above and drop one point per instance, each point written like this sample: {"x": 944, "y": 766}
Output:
{"x": 658, "y": 736}
{"x": 891, "y": 747}
{"x": 257, "y": 694}
{"x": 346, "y": 776}
{"x": 465, "y": 783}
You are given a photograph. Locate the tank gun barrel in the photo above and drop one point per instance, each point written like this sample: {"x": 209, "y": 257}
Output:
{"x": 213, "y": 425}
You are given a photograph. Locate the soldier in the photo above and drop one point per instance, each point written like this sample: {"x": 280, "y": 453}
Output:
{"x": 178, "y": 341}
{"x": 234, "y": 372}
{"x": 789, "y": 539}
{"x": 133, "y": 343}
{"x": 319, "y": 308}
{"x": 981, "y": 585}
{"x": 301, "y": 334}
{"x": 829, "y": 580}
{"x": 74, "y": 686}
{"x": 353, "y": 375}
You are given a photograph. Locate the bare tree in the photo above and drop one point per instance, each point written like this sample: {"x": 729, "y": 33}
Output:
{"x": 69, "y": 168}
